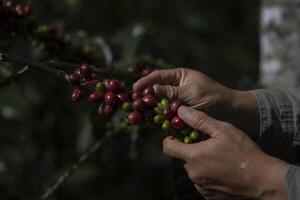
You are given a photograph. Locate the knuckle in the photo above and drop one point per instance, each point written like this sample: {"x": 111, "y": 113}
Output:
{"x": 166, "y": 147}
{"x": 198, "y": 119}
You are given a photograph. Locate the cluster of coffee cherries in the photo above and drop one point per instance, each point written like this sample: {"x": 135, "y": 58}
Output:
{"x": 12, "y": 16}
{"x": 110, "y": 95}
{"x": 142, "y": 68}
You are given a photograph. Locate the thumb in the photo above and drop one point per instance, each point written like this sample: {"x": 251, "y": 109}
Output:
{"x": 166, "y": 91}
{"x": 176, "y": 149}
{"x": 199, "y": 120}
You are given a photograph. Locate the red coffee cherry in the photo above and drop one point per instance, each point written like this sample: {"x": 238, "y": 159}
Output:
{"x": 19, "y": 10}
{"x": 150, "y": 100}
{"x": 77, "y": 72}
{"x": 8, "y": 5}
{"x": 148, "y": 115}
{"x": 175, "y": 104}
{"x": 110, "y": 98}
{"x": 96, "y": 97}
{"x": 146, "y": 71}
{"x": 168, "y": 113}
{"x": 106, "y": 81}
{"x": 122, "y": 97}
{"x": 108, "y": 110}
{"x": 177, "y": 122}
{"x": 122, "y": 87}
{"x": 112, "y": 85}
{"x": 85, "y": 70}
{"x": 76, "y": 95}
{"x": 94, "y": 76}
{"x": 73, "y": 78}
{"x": 28, "y": 10}
{"x": 139, "y": 105}
{"x": 136, "y": 95}
{"x": 132, "y": 69}
{"x": 148, "y": 91}
{"x": 91, "y": 83}
{"x": 134, "y": 117}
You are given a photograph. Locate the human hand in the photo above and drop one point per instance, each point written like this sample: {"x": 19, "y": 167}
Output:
{"x": 198, "y": 91}
{"x": 229, "y": 164}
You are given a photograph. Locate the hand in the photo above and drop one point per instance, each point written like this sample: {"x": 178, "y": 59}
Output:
{"x": 229, "y": 164}
{"x": 198, "y": 91}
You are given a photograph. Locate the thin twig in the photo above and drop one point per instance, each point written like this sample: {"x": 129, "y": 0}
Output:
{"x": 10, "y": 79}
{"x": 62, "y": 178}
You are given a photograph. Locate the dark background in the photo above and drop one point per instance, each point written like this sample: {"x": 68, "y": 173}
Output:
{"x": 42, "y": 132}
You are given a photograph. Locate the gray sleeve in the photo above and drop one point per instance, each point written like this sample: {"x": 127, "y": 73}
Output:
{"x": 279, "y": 122}
{"x": 292, "y": 182}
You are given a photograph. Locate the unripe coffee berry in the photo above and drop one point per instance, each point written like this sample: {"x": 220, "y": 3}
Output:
{"x": 134, "y": 117}
{"x": 101, "y": 87}
{"x": 194, "y": 135}
{"x": 127, "y": 106}
{"x": 110, "y": 98}
{"x": 96, "y": 97}
{"x": 158, "y": 110}
{"x": 158, "y": 119}
{"x": 186, "y": 131}
{"x": 166, "y": 125}
{"x": 164, "y": 104}
{"x": 187, "y": 140}
{"x": 177, "y": 123}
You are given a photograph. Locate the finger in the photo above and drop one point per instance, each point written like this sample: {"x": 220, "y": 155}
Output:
{"x": 199, "y": 120}
{"x": 215, "y": 194}
{"x": 162, "y": 77}
{"x": 176, "y": 149}
{"x": 166, "y": 91}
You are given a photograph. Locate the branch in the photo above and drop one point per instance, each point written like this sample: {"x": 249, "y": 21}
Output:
{"x": 10, "y": 79}
{"x": 61, "y": 179}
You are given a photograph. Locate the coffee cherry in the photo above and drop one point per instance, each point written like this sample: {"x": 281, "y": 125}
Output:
{"x": 148, "y": 91}
{"x": 134, "y": 117}
{"x": 158, "y": 119}
{"x": 164, "y": 104}
{"x": 77, "y": 72}
{"x": 194, "y": 135}
{"x": 76, "y": 95}
{"x": 19, "y": 9}
{"x": 139, "y": 105}
{"x": 127, "y": 106}
{"x": 85, "y": 70}
{"x": 101, "y": 87}
{"x": 74, "y": 79}
{"x": 175, "y": 104}
{"x": 110, "y": 98}
{"x": 158, "y": 110}
{"x": 122, "y": 87}
{"x": 177, "y": 122}
{"x": 187, "y": 140}
{"x": 28, "y": 10}
{"x": 146, "y": 71}
{"x": 132, "y": 69}
{"x": 91, "y": 83}
{"x": 140, "y": 65}
{"x": 135, "y": 95}
{"x": 148, "y": 115}
{"x": 185, "y": 131}
{"x": 96, "y": 97}
{"x": 166, "y": 125}
{"x": 108, "y": 110}
{"x": 8, "y": 4}
{"x": 150, "y": 100}
{"x": 106, "y": 81}
{"x": 122, "y": 97}
{"x": 112, "y": 85}
{"x": 168, "y": 113}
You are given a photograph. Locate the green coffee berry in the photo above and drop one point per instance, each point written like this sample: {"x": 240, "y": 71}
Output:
{"x": 127, "y": 106}
{"x": 158, "y": 119}
{"x": 166, "y": 125}
{"x": 100, "y": 87}
{"x": 187, "y": 140}
{"x": 194, "y": 135}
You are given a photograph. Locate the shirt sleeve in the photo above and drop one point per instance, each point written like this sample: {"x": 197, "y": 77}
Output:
{"x": 292, "y": 182}
{"x": 279, "y": 122}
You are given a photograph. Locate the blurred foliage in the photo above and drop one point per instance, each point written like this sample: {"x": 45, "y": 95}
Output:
{"x": 42, "y": 132}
